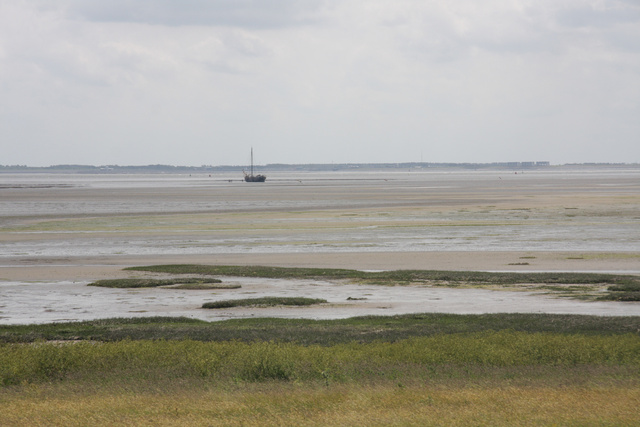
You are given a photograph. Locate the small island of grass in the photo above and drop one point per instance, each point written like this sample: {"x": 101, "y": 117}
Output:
{"x": 176, "y": 283}
{"x": 624, "y": 292}
{"x": 584, "y": 286}
{"x": 264, "y": 302}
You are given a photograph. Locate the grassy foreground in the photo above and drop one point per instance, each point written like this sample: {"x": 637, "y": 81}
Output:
{"x": 343, "y": 405}
{"x": 403, "y": 370}
{"x": 409, "y": 359}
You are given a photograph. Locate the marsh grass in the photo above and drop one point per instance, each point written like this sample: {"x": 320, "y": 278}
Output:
{"x": 623, "y": 292}
{"x": 584, "y": 286}
{"x": 203, "y": 286}
{"x": 320, "y": 332}
{"x": 630, "y": 287}
{"x": 393, "y": 277}
{"x": 415, "y": 370}
{"x": 264, "y": 302}
{"x": 621, "y": 296}
{"x": 271, "y": 360}
{"x": 183, "y": 283}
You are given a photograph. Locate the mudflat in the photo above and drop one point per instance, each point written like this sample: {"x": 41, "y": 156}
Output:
{"x": 56, "y": 228}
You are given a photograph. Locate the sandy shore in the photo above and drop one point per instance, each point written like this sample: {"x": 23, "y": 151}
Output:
{"x": 96, "y": 268}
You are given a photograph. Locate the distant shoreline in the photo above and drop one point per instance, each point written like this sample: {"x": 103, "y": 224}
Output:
{"x": 320, "y": 167}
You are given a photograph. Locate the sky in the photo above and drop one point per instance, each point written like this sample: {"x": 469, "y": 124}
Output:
{"x": 200, "y": 82}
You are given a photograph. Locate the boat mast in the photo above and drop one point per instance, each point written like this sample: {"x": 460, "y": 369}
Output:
{"x": 251, "y": 161}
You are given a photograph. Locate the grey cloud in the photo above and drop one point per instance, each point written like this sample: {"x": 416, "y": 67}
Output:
{"x": 538, "y": 29}
{"x": 590, "y": 17}
{"x": 243, "y": 13}
{"x": 437, "y": 38}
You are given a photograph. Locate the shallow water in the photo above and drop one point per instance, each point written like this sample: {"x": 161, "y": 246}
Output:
{"x": 28, "y": 303}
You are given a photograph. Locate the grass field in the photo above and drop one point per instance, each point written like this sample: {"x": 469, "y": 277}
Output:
{"x": 287, "y": 404}
{"x": 409, "y": 370}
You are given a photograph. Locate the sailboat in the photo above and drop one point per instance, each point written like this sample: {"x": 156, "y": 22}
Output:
{"x": 251, "y": 177}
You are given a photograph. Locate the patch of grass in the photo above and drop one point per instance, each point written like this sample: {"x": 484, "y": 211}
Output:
{"x": 317, "y": 332}
{"x": 397, "y": 276}
{"x": 185, "y": 283}
{"x": 629, "y": 287}
{"x": 624, "y": 292}
{"x": 250, "y": 271}
{"x": 263, "y": 302}
{"x": 204, "y": 286}
{"x": 622, "y": 296}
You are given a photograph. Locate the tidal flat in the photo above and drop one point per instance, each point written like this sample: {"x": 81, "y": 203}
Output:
{"x": 61, "y": 232}
{"x": 315, "y": 214}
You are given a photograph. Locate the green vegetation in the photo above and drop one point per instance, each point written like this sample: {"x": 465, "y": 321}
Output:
{"x": 588, "y": 286}
{"x": 260, "y": 361}
{"x": 623, "y": 292}
{"x": 414, "y": 369}
{"x": 198, "y": 286}
{"x": 179, "y": 283}
{"x": 263, "y": 302}
{"x": 318, "y": 332}
{"x": 390, "y": 277}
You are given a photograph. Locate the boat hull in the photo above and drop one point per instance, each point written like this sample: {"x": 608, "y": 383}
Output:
{"x": 255, "y": 178}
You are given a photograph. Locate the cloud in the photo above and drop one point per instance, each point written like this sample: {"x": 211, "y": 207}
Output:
{"x": 238, "y": 13}
{"x": 604, "y": 14}
{"x": 318, "y": 81}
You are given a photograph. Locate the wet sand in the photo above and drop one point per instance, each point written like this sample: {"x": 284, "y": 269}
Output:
{"x": 87, "y": 228}
{"x": 96, "y": 268}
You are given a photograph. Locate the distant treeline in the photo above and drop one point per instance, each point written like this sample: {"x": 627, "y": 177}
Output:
{"x": 299, "y": 167}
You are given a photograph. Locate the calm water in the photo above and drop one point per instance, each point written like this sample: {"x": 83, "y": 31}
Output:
{"x": 25, "y": 303}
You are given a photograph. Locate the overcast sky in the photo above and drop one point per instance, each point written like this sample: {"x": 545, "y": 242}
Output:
{"x": 193, "y": 82}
